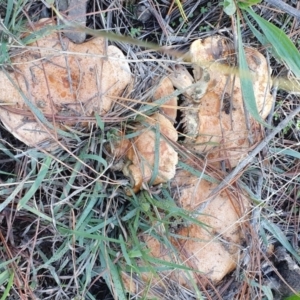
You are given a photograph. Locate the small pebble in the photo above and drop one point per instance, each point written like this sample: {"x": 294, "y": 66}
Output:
{"x": 143, "y": 13}
{"x": 77, "y": 14}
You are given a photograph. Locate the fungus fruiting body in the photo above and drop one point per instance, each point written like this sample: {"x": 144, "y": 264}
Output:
{"x": 64, "y": 82}
{"x": 213, "y": 248}
{"x": 216, "y": 125}
{"x": 145, "y": 150}
{"x": 165, "y": 89}
{"x": 214, "y": 116}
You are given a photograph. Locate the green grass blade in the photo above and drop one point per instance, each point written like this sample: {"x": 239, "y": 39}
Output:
{"x": 37, "y": 112}
{"x": 280, "y": 236}
{"x": 59, "y": 253}
{"x": 181, "y": 10}
{"x": 7, "y": 262}
{"x": 266, "y": 289}
{"x": 124, "y": 251}
{"x": 100, "y": 123}
{"x": 261, "y": 37}
{"x": 287, "y": 151}
{"x": 117, "y": 284}
{"x": 43, "y": 32}
{"x": 101, "y": 224}
{"x": 4, "y": 56}
{"x": 280, "y": 42}
{"x": 4, "y": 276}
{"x": 293, "y": 297}
{"x": 246, "y": 3}
{"x": 18, "y": 188}
{"x": 197, "y": 173}
{"x": 37, "y": 183}
{"x": 8, "y": 152}
{"x": 156, "y": 154}
{"x": 39, "y": 214}
{"x": 246, "y": 81}
{"x": 97, "y": 237}
{"x": 9, "y": 9}
{"x": 97, "y": 158}
{"x": 75, "y": 170}
{"x": 89, "y": 207}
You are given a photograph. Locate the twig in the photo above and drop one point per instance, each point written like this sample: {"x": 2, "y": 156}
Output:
{"x": 230, "y": 177}
{"x": 285, "y": 7}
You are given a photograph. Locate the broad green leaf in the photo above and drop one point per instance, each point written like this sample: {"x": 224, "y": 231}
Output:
{"x": 145, "y": 207}
{"x": 135, "y": 253}
{"x": 280, "y": 42}
{"x": 229, "y": 7}
{"x": 262, "y": 38}
{"x": 246, "y": 80}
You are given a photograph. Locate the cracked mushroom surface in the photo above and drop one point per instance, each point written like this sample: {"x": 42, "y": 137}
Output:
{"x": 216, "y": 124}
{"x": 214, "y": 115}
{"x": 67, "y": 83}
{"x": 164, "y": 89}
{"x": 214, "y": 248}
{"x": 211, "y": 250}
{"x": 142, "y": 154}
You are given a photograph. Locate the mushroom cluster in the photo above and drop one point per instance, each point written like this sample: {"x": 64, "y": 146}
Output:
{"x": 216, "y": 122}
{"x": 217, "y": 126}
{"x": 55, "y": 82}
{"x": 210, "y": 250}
